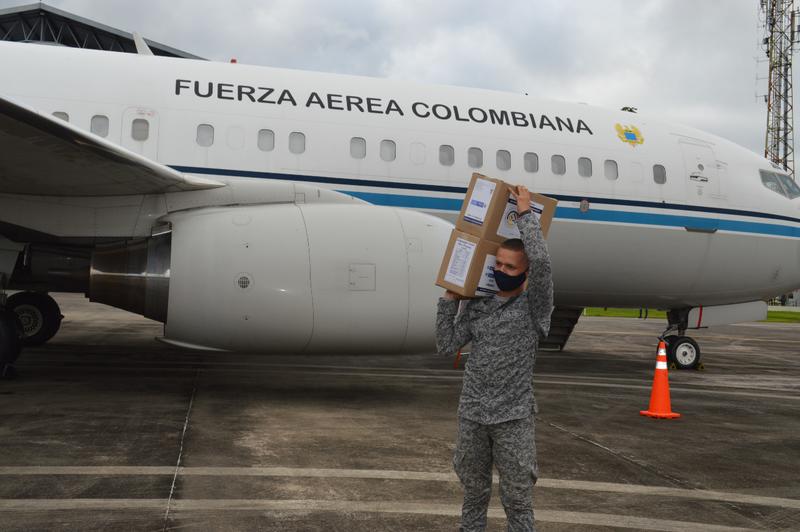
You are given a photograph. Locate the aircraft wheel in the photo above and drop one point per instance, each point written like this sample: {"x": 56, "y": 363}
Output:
{"x": 39, "y": 314}
{"x": 684, "y": 352}
{"x": 10, "y": 342}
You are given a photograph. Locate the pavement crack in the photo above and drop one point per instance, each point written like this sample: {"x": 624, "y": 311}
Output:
{"x": 631, "y": 460}
{"x": 649, "y": 468}
{"x": 180, "y": 448}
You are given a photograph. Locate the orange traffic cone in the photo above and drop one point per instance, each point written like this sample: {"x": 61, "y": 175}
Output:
{"x": 659, "y": 397}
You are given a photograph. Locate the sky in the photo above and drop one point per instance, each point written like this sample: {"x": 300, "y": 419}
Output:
{"x": 688, "y": 61}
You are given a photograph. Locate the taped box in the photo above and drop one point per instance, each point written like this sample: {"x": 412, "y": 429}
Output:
{"x": 468, "y": 266}
{"x": 490, "y": 211}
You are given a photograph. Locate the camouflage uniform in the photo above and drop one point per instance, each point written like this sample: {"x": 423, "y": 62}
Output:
{"x": 496, "y": 409}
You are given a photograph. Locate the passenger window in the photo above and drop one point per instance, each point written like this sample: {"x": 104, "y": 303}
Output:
{"x": 531, "y": 162}
{"x": 558, "y": 164}
{"x": 388, "y": 150}
{"x": 659, "y": 174}
{"x": 62, "y": 115}
{"x": 584, "y": 167}
{"x": 358, "y": 148}
{"x": 447, "y": 155}
{"x": 475, "y": 157}
{"x": 610, "y": 169}
{"x": 205, "y": 135}
{"x": 297, "y": 142}
{"x": 266, "y": 140}
{"x": 140, "y": 129}
{"x": 99, "y": 125}
{"x": 503, "y": 160}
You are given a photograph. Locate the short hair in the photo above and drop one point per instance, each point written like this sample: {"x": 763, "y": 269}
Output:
{"x": 513, "y": 244}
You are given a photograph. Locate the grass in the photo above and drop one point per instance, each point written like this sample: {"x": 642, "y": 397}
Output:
{"x": 623, "y": 313}
{"x": 781, "y": 316}
{"x": 775, "y": 316}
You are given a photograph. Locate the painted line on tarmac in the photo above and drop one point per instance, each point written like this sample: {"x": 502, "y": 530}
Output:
{"x": 380, "y": 507}
{"x": 384, "y": 474}
{"x": 559, "y": 382}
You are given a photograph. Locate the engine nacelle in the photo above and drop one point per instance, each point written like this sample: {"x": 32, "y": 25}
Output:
{"x": 305, "y": 278}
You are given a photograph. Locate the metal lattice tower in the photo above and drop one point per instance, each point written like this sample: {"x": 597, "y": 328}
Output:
{"x": 780, "y": 25}
{"x": 41, "y": 23}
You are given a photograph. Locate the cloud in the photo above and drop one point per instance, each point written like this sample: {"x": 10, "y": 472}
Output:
{"x": 691, "y": 61}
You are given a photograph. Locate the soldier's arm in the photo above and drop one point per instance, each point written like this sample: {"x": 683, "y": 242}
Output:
{"x": 452, "y": 327}
{"x": 540, "y": 277}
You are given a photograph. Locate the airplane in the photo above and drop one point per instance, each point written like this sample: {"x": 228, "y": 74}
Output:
{"x": 275, "y": 210}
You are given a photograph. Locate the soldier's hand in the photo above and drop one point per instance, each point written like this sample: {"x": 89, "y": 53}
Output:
{"x": 523, "y": 197}
{"x": 452, "y": 295}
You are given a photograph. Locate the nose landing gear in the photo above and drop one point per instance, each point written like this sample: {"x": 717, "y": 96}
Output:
{"x": 683, "y": 351}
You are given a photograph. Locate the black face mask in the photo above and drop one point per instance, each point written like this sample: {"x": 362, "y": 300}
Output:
{"x": 506, "y": 282}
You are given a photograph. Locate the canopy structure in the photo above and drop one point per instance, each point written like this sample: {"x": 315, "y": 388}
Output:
{"x": 40, "y": 23}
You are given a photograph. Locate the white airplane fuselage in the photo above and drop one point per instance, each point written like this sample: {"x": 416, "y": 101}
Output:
{"x": 710, "y": 234}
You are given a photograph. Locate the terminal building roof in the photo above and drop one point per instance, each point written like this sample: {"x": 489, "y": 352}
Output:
{"x": 40, "y": 23}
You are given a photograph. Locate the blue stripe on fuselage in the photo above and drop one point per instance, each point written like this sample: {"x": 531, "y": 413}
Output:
{"x": 592, "y": 215}
{"x": 562, "y": 212}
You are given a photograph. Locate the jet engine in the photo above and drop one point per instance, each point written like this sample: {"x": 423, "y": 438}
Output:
{"x": 294, "y": 278}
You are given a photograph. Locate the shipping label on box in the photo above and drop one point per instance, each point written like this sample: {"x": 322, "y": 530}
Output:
{"x": 477, "y": 206}
{"x": 508, "y": 223}
{"x": 490, "y": 211}
{"x": 460, "y": 262}
{"x": 486, "y": 284}
{"x": 468, "y": 266}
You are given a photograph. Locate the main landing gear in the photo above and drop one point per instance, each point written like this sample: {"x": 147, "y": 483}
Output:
{"x": 26, "y": 319}
{"x": 39, "y": 314}
{"x": 683, "y": 351}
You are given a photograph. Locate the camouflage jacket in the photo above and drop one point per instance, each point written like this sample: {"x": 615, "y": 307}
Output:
{"x": 505, "y": 333}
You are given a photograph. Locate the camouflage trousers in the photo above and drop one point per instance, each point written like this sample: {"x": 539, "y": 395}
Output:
{"x": 511, "y": 448}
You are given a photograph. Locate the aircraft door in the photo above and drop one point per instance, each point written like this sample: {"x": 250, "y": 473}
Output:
{"x": 140, "y": 131}
{"x": 701, "y": 171}
{"x": 702, "y": 185}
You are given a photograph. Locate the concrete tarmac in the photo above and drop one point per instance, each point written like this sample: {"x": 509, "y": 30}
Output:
{"x": 106, "y": 429}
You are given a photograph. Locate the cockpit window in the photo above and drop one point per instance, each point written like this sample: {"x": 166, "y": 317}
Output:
{"x": 790, "y": 185}
{"x": 780, "y": 183}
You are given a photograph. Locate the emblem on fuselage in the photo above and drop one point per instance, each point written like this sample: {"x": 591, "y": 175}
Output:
{"x": 629, "y": 134}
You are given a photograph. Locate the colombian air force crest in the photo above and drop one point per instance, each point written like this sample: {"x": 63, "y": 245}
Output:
{"x": 629, "y": 134}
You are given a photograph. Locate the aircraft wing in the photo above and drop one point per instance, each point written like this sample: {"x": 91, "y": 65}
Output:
{"x": 45, "y": 156}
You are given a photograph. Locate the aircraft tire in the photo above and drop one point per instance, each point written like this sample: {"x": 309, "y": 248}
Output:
{"x": 684, "y": 352}
{"x": 10, "y": 342}
{"x": 40, "y": 316}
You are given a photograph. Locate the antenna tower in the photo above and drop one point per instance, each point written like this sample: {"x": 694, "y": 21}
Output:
{"x": 780, "y": 35}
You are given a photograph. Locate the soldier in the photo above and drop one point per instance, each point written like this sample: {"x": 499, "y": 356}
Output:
{"x": 496, "y": 409}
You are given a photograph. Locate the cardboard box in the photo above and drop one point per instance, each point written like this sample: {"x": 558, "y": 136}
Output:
{"x": 468, "y": 266}
{"x": 489, "y": 210}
